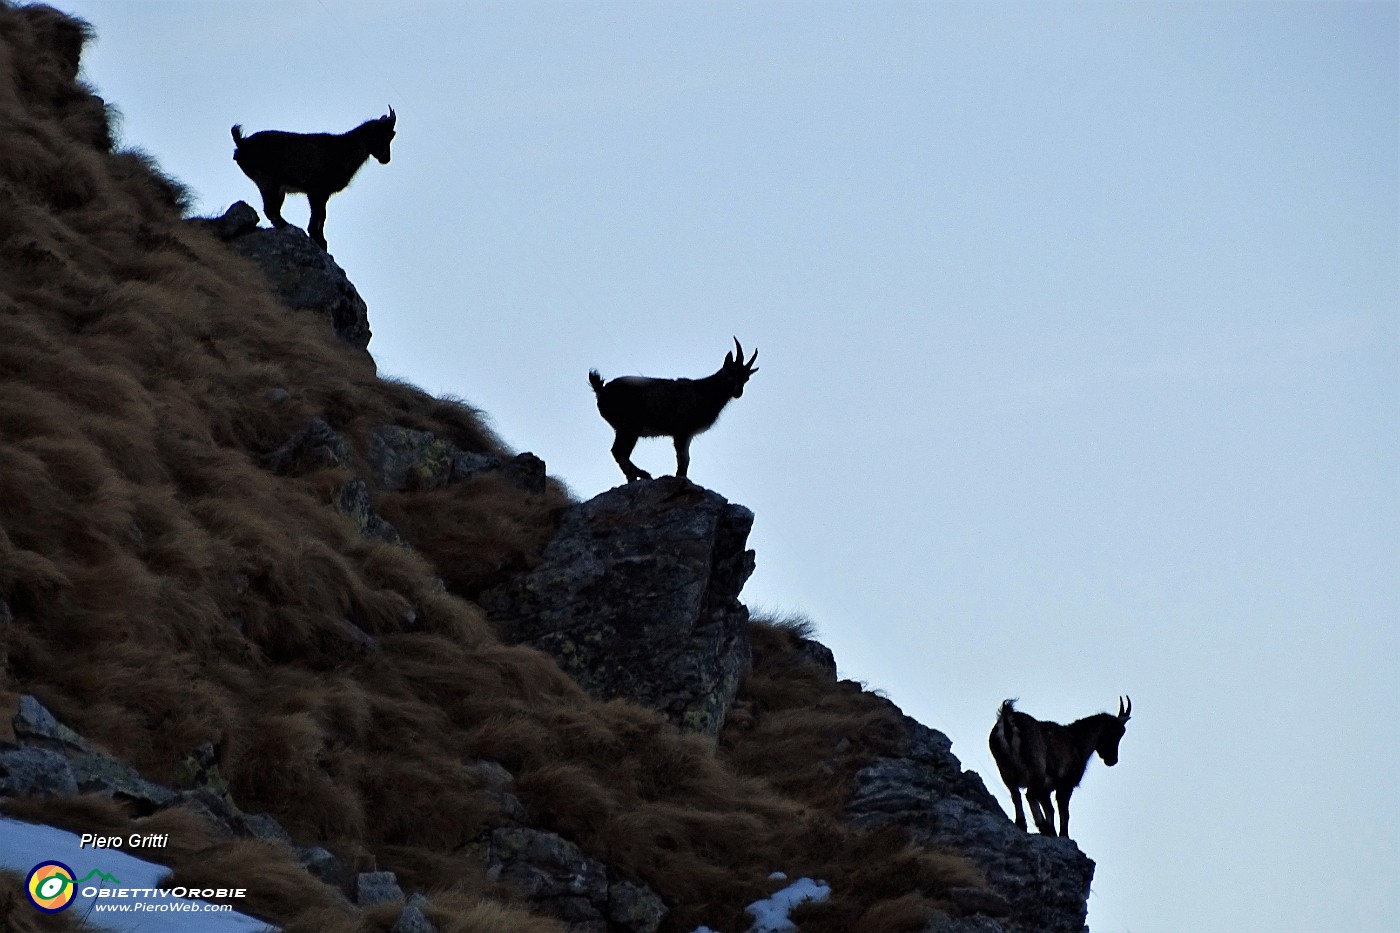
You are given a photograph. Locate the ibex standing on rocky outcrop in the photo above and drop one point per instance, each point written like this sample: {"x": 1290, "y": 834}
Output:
{"x": 1046, "y": 756}
{"x": 639, "y": 406}
{"x": 315, "y": 164}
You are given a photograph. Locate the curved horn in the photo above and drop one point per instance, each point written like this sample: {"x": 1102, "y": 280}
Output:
{"x": 393, "y": 117}
{"x": 738, "y": 351}
{"x": 1125, "y": 711}
{"x": 750, "y": 364}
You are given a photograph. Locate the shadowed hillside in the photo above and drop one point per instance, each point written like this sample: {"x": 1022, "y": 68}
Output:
{"x": 190, "y": 595}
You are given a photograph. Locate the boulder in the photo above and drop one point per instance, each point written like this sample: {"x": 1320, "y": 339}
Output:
{"x": 377, "y": 887}
{"x": 637, "y": 597}
{"x": 353, "y": 501}
{"x": 35, "y": 725}
{"x": 412, "y": 920}
{"x": 316, "y": 446}
{"x": 303, "y": 276}
{"x": 408, "y": 458}
{"x": 635, "y": 907}
{"x": 562, "y": 880}
{"x": 238, "y": 220}
{"x": 545, "y": 865}
{"x": 98, "y": 773}
{"x": 35, "y": 772}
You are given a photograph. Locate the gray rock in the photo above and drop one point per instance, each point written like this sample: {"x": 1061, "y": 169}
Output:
{"x": 1035, "y": 884}
{"x": 544, "y": 865}
{"x": 262, "y": 826}
{"x": 305, "y": 278}
{"x": 238, "y": 220}
{"x": 637, "y": 597}
{"x": 215, "y": 810}
{"x": 580, "y": 915}
{"x": 357, "y": 637}
{"x": 818, "y": 654}
{"x": 35, "y": 772}
{"x": 524, "y": 471}
{"x": 314, "y": 447}
{"x": 407, "y": 458}
{"x": 413, "y": 920}
{"x": 352, "y": 500}
{"x": 635, "y": 907}
{"x": 100, "y": 774}
{"x": 498, "y": 784}
{"x": 321, "y": 864}
{"x": 377, "y": 887}
{"x": 941, "y": 922}
{"x": 5, "y": 619}
{"x": 35, "y": 725}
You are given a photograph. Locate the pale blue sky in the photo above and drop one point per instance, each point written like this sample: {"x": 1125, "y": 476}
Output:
{"x": 1081, "y": 366}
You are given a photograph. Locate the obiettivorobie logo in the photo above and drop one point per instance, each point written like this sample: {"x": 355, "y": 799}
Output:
{"x": 51, "y": 885}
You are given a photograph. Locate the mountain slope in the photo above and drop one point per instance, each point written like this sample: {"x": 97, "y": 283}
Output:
{"x": 197, "y": 605}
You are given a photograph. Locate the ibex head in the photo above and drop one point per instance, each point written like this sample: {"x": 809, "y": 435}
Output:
{"x": 382, "y": 136}
{"x": 736, "y": 371}
{"x": 1113, "y": 733}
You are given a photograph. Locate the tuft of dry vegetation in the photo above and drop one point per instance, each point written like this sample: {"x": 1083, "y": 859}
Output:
{"x": 167, "y": 590}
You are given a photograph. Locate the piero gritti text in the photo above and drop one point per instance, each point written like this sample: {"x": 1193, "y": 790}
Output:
{"x": 134, "y": 841}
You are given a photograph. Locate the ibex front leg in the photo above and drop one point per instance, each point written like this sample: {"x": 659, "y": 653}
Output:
{"x": 317, "y": 227}
{"x": 682, "y": 454}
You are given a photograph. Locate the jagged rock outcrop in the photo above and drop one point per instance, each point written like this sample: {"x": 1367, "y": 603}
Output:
{"x": 302, "y": 275}
{"x": 637, "y": 597}
{"x": 1035, "y": 884}
{"x": 399, "y": 459}
{"x": 405, "y": 458}
{"x": 557, "y": 876}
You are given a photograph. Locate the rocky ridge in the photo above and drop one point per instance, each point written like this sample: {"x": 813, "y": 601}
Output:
{"x": 637, "y": 598}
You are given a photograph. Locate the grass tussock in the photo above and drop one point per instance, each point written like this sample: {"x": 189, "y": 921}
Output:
{"x": 168, "y": 590}
{"x": 796, "y": 729}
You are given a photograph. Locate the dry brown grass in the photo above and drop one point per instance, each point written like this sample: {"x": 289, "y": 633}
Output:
{"x": 797, "y": 730}
{"x": 167, "y": 590}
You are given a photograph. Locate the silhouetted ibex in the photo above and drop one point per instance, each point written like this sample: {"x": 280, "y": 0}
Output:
{"x": 639, "y": 406}
{"x": 1045, "y": 756}
{"x": 315, "y": 164}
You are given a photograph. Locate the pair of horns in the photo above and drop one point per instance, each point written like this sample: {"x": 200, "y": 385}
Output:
{"x": 393, "y": 117}
{"x": 1125, "y": 711}
{"x": 738, "y": 357}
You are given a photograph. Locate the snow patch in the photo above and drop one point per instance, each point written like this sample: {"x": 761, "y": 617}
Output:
{"x": 24, "y": 845}
{"x": 771, "y": 915}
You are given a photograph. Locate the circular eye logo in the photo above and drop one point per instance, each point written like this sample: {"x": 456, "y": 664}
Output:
{"x": 50, "y": 886}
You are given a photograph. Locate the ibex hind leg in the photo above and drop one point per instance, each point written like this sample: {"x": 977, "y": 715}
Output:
{"x": 1042, "y": 812}
{"x": 622, "y": 453}
{"x": 1020, "y": 813}
{"x": 272, "y": 196}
